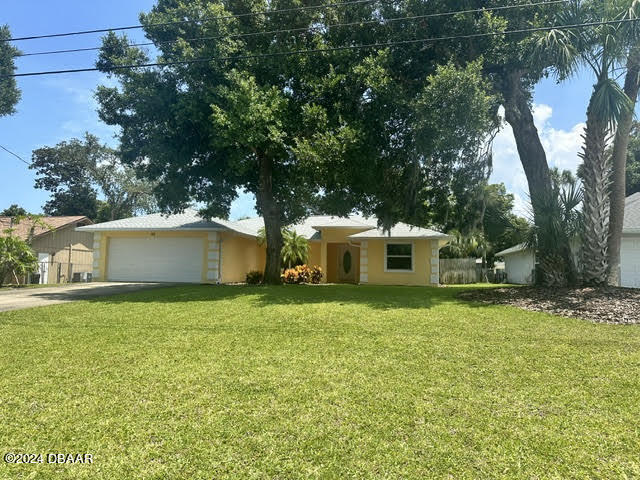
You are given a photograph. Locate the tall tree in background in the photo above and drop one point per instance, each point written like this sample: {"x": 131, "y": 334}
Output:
{"x": 631, "y": 36}
{"x": 632, "y": 182}
{"x": 76, "y": 171}
{"x": 301, "y": 132}
{"x": 9, "y": 93}
{"x": 514, "y": 69}
{"x": 14, "y": 211}
{"x": 601, "y": 48}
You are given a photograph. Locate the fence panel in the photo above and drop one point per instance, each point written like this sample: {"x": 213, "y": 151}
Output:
{"x": 458, "y": 271}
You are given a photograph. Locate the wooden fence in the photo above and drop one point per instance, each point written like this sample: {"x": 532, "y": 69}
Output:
{"x": 458, "y": 270}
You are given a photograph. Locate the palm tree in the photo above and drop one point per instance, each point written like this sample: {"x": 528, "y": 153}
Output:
{"x": 558, "y": 227}
{"x": 621, "y": 144}
{"x": 601, "y": 48}
{"x": 295, "y": 248}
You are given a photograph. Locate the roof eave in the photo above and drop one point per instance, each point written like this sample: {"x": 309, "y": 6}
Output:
{"x": 90, "y": 228}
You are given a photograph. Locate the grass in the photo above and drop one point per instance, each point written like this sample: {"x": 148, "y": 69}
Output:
{"x": 294, "y": 382}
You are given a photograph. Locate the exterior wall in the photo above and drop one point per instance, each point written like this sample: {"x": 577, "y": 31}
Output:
{"x": 519, "y": 267}
{"x": 240, "y": 255}
{"x": 425, "y": 263}
{"x": 65, "y": 246}
{"x": 314, "y": 253}
{"x": 630, "y": 261}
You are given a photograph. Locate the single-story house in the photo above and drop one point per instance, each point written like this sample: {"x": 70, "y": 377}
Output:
{"x": 520, "y": 261}
{"x": 61, "y": 250}
{"x": 188, "y": 248}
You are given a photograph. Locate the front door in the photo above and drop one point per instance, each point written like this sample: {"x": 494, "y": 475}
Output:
{"x": 43, "y": 261}
{"x": 348, "y": 260}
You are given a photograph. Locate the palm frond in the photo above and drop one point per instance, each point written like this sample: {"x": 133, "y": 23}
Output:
{"x": 610, "y": 102}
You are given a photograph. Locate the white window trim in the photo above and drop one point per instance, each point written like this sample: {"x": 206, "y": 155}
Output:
{"x": 413, "y": 256}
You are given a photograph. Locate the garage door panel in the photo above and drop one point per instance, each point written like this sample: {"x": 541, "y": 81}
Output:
{"x": 630, "y": 262}
{"x": 155, "y": 259}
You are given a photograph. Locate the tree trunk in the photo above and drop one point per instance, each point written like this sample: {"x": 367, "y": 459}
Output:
{"x": 619, "y": 167}
{"x": 272, "y": 223}
{"x": 517, "y": 112}
{"x": 596, "y": 181}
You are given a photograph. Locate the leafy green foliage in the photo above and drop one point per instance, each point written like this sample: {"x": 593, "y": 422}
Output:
{"x": 557, "y": 232}
{"x": 14, "y": 211}
{"x": 76, "y": 171}
{"x": 633, "y": 161}
{"x": 334, "y": 131}
{"x": 16, "y": 258}
{"x": 295, "y": 248}
{"x": 483, "y": 223}
{"x": 9, "y": 92}
{"x": 254, "y": 277}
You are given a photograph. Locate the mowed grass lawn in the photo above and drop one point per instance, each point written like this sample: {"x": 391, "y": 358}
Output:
{"x": 202, "y": 382}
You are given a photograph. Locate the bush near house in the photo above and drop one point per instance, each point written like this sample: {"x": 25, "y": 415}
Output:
{"x": 302, "y": 274}
{"x": 254, "y": 277}
{"x": 16, "y": 259}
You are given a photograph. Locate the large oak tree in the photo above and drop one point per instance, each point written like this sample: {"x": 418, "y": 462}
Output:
{"x": 332, "y": 130}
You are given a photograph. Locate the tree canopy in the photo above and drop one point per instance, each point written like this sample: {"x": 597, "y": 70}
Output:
{"x": 374, "y": 129}
{"x": 9, "y": 92}
{"x": 76, "y": 171}
{"x": 14, "y": 211}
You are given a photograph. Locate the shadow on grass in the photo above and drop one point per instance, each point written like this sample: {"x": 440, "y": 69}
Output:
{"x": 378, "y": 297}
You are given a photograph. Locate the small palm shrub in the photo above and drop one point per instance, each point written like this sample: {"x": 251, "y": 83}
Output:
{"x": 254, "y": 277}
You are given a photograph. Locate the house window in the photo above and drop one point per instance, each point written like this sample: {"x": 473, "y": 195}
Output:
{"x": 398, "y": 257}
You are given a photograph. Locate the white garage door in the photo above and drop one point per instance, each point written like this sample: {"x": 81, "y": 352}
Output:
{"x": 155, "y": 259}
{"x": 630, "y": 262}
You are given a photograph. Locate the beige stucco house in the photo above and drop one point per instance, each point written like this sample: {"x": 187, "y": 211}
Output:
{"x": 61, "y": 250}
{"x": 187, "y": 248}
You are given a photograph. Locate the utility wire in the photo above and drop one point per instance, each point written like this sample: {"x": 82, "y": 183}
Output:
{"x": 302, "y": 29}
{"x": 181, "y": 22}
{"x": 15, "y": 155}
{"x": 330, "y": 49}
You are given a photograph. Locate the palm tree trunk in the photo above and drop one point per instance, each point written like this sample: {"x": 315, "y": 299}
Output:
{"x": 518, "y": 114}
{"x": 596, "y": 181}
{"x": 619, "y": 166}
{"x": 268, "y": 206}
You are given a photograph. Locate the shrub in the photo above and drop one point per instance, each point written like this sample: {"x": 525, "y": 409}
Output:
{"x": 254, "y": 277}
{"x": 316, "y": 274}
{"x": 302, "y": 274}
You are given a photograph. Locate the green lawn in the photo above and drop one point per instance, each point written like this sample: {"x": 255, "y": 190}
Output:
{"x": 207, "y": 382}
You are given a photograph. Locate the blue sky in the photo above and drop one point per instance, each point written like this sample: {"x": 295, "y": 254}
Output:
{"x": 57, "y": 108}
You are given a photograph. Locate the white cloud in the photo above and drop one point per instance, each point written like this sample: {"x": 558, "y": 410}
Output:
{"x": 561, "y": 146}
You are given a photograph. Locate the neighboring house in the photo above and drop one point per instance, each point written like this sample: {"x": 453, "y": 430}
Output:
{"x": 520, "y": 261}
{"x": 61, "y": 250}
{"x": 187, "y": 248}
{"x": 519, "y": 264}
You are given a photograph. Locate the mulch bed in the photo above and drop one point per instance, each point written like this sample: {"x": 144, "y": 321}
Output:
{"x": 603, "y": 305}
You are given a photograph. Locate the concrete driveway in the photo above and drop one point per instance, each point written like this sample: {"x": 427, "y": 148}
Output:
{"x": 18, "y": 298}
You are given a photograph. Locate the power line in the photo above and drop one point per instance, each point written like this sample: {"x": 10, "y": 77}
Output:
{"x": 330, "y": 49}
{"x": 15, "y": 155}
{"x": 181, "y": 22}
{"x": 302, "y": 29}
